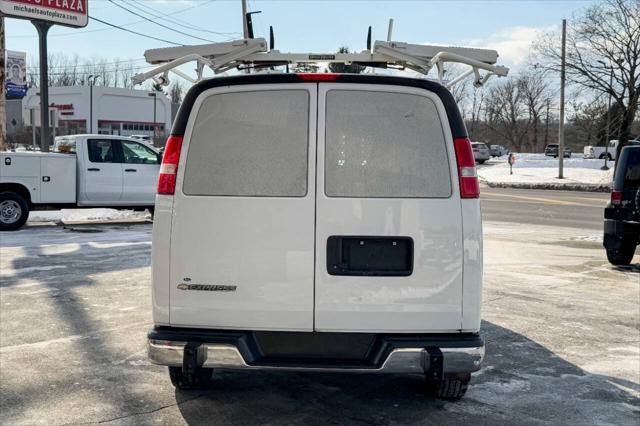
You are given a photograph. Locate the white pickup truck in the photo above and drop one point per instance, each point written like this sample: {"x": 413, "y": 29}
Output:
{"x": 86, "y": 171}
{"x": 600, "y": 151}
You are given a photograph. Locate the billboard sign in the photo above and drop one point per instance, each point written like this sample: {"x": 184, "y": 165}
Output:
{"x": 16, "y": 74}
{"x": 72, "y": 13}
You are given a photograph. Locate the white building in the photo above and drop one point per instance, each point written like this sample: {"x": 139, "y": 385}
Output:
{"x": 115, "y": 111}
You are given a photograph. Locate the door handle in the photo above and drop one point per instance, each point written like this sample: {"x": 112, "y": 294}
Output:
{"x": 130, "y": 170}
{"x": 93, "y": 169}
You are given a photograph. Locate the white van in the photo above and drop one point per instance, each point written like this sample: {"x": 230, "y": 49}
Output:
{"x": 325, "y": 222}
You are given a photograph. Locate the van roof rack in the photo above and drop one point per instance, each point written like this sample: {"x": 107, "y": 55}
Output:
{"x": 252, "y": 53}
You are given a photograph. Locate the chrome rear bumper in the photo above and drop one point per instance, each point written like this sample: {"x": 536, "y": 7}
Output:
{"x": 399, "y": 360}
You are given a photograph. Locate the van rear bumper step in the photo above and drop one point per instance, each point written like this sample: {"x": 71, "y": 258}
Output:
{"x": 433, "y": 354}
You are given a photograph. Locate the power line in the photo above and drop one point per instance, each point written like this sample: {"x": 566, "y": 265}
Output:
{"x": 88, "y": 65}
{"x": 143, "y": 6}
{"x": 97, "y": 71}
{"x": 76, "y": 32}
{"x": 158, "y": 23}
{"x": 134, "y": 32}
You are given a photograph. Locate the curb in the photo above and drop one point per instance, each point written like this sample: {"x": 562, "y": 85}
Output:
{"x": 551, "y": 186}
{"x": 85, "y": 223}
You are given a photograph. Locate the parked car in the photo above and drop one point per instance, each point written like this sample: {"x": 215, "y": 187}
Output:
{"x": 622, "y": 214}
{"x": 498, "y": 151}
{"x": 481, "y": 152}
{"x": 259, "y": 259}
{"x": 552, "y": 151}
{"x": 601, "y": 152}
{"x": 86, "y": 171}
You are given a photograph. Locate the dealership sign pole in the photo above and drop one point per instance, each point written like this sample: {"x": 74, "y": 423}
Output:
{"x": 43, "y": 29}
{"x": 43, "y": 14}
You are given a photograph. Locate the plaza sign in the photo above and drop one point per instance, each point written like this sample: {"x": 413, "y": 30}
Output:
{"x": 72, "y": 13}
{"x": 43, "y": 14}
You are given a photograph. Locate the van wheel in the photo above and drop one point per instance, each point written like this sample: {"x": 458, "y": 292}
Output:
{"x": 622, "y": 256}
{"x": 14, "y": 211}
{"x": 481, "y": 161}
{"x": 450, "y": 387}
{"x": 184, "y": 381}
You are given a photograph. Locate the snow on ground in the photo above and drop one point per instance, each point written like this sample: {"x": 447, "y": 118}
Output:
{"x": 87, "y": 215}
{"x": 539, "y": 171}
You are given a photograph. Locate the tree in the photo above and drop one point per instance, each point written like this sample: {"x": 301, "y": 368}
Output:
{"x": 513, "y": 111}
{"x": 534, "y": 89}
{"x": 175, "y": 92}
{"x": 74, "y": 71}
{"x": 506, "y": 114}
{"x": 603, "y": 54}
{"x": 345, "y": 68}
{"x": 589, "y": 119}
{"x": 460, "y": 90}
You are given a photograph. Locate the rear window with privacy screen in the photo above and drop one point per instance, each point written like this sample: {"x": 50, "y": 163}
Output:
{"x": 386, "y": 145}
{"x": 250, "y": 144}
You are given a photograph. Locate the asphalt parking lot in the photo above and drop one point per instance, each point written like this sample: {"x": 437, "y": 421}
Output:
{"x": 562, "y": 329}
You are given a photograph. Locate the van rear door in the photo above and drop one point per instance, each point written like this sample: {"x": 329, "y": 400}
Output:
{"x": 389, "y": 222}
{"x": 242, "y": 238}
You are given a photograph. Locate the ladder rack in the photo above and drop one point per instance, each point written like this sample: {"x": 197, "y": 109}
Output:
{"x": 253, "y": 53}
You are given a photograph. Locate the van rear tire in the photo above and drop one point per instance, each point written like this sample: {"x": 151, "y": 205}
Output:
{"x": 450, "y": 387}
{"x": 14, "y": 211}
{"x": 184, "y": 381}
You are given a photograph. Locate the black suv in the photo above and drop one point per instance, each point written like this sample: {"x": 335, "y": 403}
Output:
{"x": 552, "y": 151}
{"x": 622, "y": 214}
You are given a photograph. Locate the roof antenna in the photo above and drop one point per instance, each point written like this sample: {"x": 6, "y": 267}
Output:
{"x": 250, "y": 23}
{"x": 272, "y": 42}
{"x": 390, "y": 31}
{"x": 369, "y": 39}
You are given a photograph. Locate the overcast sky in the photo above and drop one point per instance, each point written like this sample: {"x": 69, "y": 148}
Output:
{"x": 304, "y": 26}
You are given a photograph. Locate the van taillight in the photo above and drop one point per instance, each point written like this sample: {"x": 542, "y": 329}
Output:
{"x": 616, "y": 198}
{"x": 169, "y": 166}
{"x": 469, "y": 185}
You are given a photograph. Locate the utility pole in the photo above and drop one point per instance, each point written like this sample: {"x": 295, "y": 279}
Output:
{"x": 245, "y": 28}
{"x": 92, "y": 81}
{"x": 606, "y": 142}
{"x": 3, "y": 98}
{"x": 155, "y": 96}
{"x": 561, "y": 123}
{"x": 546, "y": 127}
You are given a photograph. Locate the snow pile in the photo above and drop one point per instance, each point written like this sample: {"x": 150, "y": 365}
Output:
{"x": 87, "y": 215}
{"x": 539, "y": 171}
